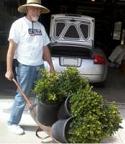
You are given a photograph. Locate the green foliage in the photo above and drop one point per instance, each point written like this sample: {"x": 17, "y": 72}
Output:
{"x": 94, "y": 119}
{"x": 47, "y": 88}
{"x": 71, "y": 80}
{"x": 54, "y": 87}
{"x": 85, "y": 100}
{"x": 110, "y": 118}
{"x": 85, "y": 129}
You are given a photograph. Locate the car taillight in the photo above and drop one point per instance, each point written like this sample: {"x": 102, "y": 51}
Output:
{"x": 99, "y": 59}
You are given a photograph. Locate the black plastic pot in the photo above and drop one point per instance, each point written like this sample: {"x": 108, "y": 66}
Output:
{"x": 64, "y": 110}
{"x": 59, "y": 130}
{"x": 47, "y": 113}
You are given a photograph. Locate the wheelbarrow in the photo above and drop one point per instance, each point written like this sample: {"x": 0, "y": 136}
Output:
{"x": 32, "y": 109}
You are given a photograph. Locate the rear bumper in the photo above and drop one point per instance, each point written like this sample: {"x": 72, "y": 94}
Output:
{"x": 95, "y": 78}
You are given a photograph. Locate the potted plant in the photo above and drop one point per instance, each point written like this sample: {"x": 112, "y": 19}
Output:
{"x": 92, "y": 119}
{"x": 72, "y": 81}
{"x": 49, "y": 95}
{"x": 95, "y": 118}
{"x": 53, "y": 88}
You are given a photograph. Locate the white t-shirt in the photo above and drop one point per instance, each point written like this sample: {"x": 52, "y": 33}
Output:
{"x": 30, "y": 39}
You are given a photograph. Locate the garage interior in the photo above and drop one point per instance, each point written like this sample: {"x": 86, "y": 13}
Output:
{"x": 109, "y": 23}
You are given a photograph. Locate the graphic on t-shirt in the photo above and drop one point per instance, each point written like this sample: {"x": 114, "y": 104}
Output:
{"x": 34, "y": 31}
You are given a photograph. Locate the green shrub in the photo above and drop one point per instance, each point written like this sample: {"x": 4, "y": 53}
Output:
{"x": 94, "y": 119}
{"x": 47, "y": 88}
{"x": 54, "y": 87}
{"x": 85, "y": 100}
{"x": 85, "y": 129}
{"x": 72, "y": 81}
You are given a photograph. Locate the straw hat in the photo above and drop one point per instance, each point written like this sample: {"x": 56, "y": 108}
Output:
{"x": 34, "y": 3}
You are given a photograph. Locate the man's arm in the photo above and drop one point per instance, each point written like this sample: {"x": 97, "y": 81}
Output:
{"x": 47, "y": 57}
{"x": 9, "y": 61}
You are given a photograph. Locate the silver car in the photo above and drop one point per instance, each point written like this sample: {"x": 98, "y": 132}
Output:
{"x": 72, "y": 44}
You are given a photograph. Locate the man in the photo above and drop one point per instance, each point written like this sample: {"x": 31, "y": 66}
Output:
{"x": 28, "y": 42}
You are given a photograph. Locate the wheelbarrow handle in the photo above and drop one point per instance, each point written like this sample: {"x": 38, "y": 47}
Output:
{"x": 32, "y": 109}
{"x": 22, "y": 93}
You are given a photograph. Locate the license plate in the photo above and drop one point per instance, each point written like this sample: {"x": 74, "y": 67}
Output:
{"x": 64, "y": 61}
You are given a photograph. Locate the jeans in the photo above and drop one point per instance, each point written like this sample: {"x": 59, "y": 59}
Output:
{"x": 26, "y": 76}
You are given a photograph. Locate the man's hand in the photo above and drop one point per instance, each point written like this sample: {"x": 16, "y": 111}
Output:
{"x": 9, "y": 75}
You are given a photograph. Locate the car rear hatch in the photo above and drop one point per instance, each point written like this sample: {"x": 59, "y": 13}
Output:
{"x": 72, "y": 38}
{"x": 72, "y": 29}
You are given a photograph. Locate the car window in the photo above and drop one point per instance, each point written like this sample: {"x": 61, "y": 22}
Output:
{"x": 72, "y": 30}
{"x": 59, "y": 28}
{"x": 85, "y": 30}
